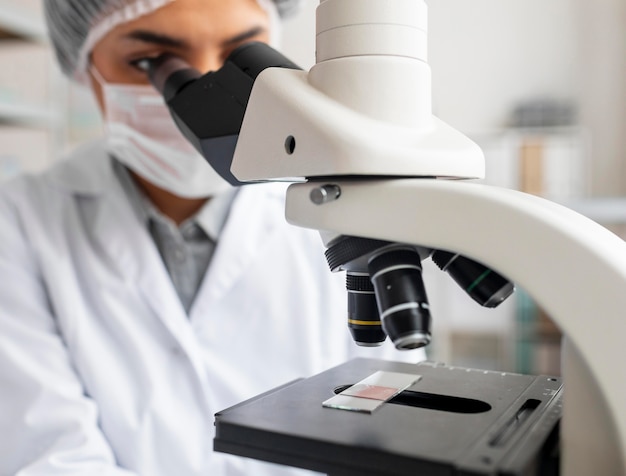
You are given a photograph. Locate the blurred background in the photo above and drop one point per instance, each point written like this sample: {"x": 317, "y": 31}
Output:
{"x": 540, "y": 85}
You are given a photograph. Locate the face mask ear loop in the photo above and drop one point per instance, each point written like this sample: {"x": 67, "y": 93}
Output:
{"x": 103, "y": 83}
{"x": 96, "y": 74}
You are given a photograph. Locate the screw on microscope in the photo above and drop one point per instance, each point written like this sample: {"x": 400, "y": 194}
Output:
{"x": 325, "y": 194}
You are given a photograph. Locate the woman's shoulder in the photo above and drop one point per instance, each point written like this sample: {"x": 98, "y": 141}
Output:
{"x": 85, "y": 170}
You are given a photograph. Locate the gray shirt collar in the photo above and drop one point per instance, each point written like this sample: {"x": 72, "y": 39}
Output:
{"x": 211, "y": 217}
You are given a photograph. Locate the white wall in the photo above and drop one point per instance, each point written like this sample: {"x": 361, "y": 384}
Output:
{"x": 299, "y": 35}
{"x": 485, "y": 55}
{"x": 488, "y": 55}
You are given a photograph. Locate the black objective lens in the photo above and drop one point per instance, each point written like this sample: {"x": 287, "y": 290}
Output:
{"x": 485, "y": 286}
{"x": 396, "y": 274}
{"x": 363, "y": 318}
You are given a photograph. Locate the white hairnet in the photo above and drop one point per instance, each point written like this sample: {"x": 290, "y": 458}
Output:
{"x": 75, "y": 26}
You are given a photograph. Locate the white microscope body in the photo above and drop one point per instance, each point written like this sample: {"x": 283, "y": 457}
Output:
{"x": 361, "y": 121}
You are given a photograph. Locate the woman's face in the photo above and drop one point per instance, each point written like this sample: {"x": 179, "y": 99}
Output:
{"x": 202, "y": 32}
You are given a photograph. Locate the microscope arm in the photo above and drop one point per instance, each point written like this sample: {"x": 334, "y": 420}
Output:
{"x": 574, "y": 268}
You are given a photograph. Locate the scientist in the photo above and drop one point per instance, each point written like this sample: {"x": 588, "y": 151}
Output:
{"x": 139, "y": 293}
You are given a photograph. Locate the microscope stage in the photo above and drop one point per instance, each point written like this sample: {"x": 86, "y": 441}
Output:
{"x": 452, "y": 421}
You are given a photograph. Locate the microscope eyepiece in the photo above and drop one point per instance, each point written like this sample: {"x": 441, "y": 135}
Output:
{"x": 396, "y": 274}
{"x": 170, "y": 74}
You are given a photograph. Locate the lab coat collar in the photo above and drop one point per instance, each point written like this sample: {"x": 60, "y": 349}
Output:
{"x": 211, "y": 217}
{"x": 125, "y": 242}
{"x": 88, "y": 173}
{"x": 87, "y": 170}
{"x": 130, "y": 248}
{"x": 256, "y": 215}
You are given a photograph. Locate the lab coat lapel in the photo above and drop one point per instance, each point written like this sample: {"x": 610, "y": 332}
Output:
{"x": 253, "y": 219}
{"x": 134, "y": 256}
{"x": 125, "y": 250}
{"x": 122, "y": 242}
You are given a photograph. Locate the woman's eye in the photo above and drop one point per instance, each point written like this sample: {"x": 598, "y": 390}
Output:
{"x": 142, "y": 64}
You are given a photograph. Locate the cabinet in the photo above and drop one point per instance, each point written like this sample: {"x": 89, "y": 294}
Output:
{"x": 42, "y": 114}
{"x": 30, "y": 87}
{"x": 22, "y": 19}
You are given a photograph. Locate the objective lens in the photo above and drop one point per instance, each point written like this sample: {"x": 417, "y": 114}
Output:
{"x": 485, "y": 286}
{"x": 396, "y": 274}
{"x": 363, "y": 318}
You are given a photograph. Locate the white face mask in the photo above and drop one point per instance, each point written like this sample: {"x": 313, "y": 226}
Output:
{"x": 142, "y": 134}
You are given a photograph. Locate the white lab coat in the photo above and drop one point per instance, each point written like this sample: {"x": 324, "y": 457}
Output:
{"x": 101, "y": 370}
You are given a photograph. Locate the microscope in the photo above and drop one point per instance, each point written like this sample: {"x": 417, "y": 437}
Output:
{"x": 384, "y": 181}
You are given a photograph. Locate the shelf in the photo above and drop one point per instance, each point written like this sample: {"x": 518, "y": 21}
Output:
{"x": 18, "y": 23}
{"x": 29, "y": 115}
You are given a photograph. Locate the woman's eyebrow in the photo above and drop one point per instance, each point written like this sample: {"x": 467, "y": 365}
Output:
{"x": 159, "y": 39}
{"x": 155, "y": 38}
{"x": 246, "y": 35}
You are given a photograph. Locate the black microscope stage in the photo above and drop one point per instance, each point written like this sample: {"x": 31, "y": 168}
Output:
{"x": 453, "y": 422}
